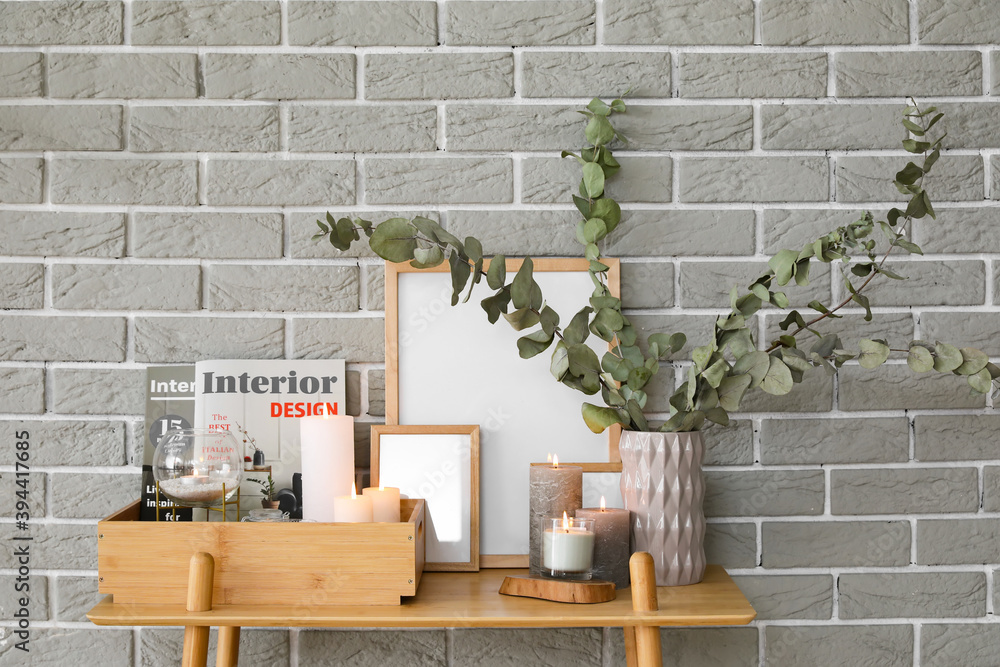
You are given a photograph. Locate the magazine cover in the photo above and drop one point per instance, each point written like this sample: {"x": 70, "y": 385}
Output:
{"x": 260, "y": 402}
{"x": 170, "y": 404}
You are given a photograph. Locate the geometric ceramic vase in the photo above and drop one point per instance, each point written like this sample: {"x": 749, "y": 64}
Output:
{"x": 663, "y": 488}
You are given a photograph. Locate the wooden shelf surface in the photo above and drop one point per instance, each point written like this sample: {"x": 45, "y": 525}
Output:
{"x": 466, "y": 600}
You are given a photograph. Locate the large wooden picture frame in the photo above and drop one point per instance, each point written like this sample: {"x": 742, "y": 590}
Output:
{"x": 448, "y": 364}
{"x": 439, "y": 464}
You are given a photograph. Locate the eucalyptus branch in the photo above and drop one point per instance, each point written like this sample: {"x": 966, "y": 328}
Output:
{"x": 720, "y": 372}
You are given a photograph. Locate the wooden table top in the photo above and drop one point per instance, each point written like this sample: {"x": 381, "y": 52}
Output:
{"x": 466, "y": 600}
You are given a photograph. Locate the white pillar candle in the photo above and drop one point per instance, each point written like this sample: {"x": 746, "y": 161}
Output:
{"x": 327, "y": 464}
{"x": 352, "y": 508}
{"x": 385, "y": 503}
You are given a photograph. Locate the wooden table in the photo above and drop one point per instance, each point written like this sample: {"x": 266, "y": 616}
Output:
{"x": 462, "y": 600}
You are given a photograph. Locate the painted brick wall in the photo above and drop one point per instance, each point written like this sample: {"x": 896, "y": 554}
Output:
{"x": 162, "y": 161}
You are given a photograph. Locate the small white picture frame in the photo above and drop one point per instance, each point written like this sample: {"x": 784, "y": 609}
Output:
{"x": 441, "y": 465}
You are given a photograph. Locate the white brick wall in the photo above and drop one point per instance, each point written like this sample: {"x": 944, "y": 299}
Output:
{"x": 162, "y": 162}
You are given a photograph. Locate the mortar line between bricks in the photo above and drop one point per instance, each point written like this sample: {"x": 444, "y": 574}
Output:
{"x": 814, "y": 467}
{"x": 876, "y": 620}
{"x": 988, "y": 73}
{"x": 835, "y": 598}
{"x": 442, "y": 25}
{"x": 858, "y": 518}
{"x": 831, "y": 73}
{"x": 599, "y": 24}
{"x": 761, "y": 643}
{"x": 857, "y": 570}
{"x": 283, "y": 22}
{"x": 990, "y": 590}
{"x": 758, "y": 24}
{"x": 657, "y": 102}
{"x": 444, "y": 49}
{"x": 676, "y": 153}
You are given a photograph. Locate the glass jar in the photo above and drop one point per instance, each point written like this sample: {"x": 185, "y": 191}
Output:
{"x": 198, "y": 467}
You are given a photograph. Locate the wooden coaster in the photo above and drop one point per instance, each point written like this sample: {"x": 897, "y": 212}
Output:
{"x": 559, "y": 590}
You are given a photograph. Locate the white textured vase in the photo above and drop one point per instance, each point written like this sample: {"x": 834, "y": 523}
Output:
{"x": 664, "y": 489}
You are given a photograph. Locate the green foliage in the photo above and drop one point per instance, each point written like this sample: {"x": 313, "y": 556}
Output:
{"x": 721, "y": 371}
{"x": 267, "y": 488}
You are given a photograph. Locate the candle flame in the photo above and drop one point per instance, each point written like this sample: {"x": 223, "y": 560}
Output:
{"x": 565, "y": 521}
{"x": 549, "y": 459}
{"x": 603, "y": 506}
{"x": 555, "y": 461}
{"x": 354, "y": 491}
{"x": 381, "y": 487}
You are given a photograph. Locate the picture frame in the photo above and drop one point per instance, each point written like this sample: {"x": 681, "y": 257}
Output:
{"x": 439, "y": 463}
{"x": 524, "y": 414}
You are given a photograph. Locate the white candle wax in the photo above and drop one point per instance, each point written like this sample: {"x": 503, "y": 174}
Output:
{"x": 567, "y": 549}
{"x": 352, "y": 509}
{"x": 327, "y": 464}
{"x": 385, "y": 503}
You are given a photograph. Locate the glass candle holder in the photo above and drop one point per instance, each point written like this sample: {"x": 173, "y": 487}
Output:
{"x": 198, "y": 467}
{"x": 567, "y": 547}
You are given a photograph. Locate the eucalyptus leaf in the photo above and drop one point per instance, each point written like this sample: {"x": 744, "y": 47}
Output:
{"x": 577, "y": 330}
{"x": 778, "y": 379}
{"x": 520, "y": 287}
{"x": 731, "y": 390}
{"x": 460, "y": 272}
{"x": 425, "y": 258}
{"x": 496, "y": 275}
{"x": 607, "y": 210}
{"x": 394, "y": 240}
{"x": 522, "y": 318}
{"x": 593, "y": 180}
{"x": 533, "y": 344}
{"x": 598, "y": 418}
{"x": 873, "y": 353}
{"x": 920, "y": 359}
{"x": 981, "y": 381}
{"x": 947, "y": 358}
{"x": 755, "y": 364}
{"x": 559, "y": 364}
{"x": 594, "y": 230}
{"x": 713, "y": 374}
{"x": 496, "y": 305}
{"x": 973, "y": 361}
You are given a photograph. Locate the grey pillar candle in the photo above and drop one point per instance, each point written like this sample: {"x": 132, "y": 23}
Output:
{"x": 553, "y": 489}
{"x": 611, "y": 545}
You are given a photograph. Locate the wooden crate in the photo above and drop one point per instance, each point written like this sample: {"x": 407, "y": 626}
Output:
{"x": 294, "y": 564}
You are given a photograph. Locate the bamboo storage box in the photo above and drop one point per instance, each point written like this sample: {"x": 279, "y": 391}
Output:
{"x": 294, "y": 564}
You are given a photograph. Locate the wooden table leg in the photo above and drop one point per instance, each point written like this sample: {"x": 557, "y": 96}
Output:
{"x": 630, "y": 646}
{"x": 201, "y": 577}
{"x": 644, "y": 650}
{"x": 228, "y": 654}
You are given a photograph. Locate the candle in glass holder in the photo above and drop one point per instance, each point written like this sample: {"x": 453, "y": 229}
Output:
{"x": 385, "y": 503}
{"x": 567, "y": 547}
{"x": 611, "y": 543}
{"x": 553, "y": 489}
{"x": 352, "y": 508}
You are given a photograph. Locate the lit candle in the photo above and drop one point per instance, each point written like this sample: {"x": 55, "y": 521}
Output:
{"x": 611, "y": 543}
{"x": 385, "y": 503}
{"x": 553, "y": 489}
{"x": 568, "y": 549}
{"x": 327, "y": 464}
{"x": 352, "y": 508}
